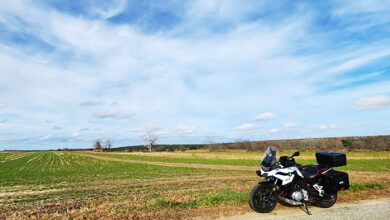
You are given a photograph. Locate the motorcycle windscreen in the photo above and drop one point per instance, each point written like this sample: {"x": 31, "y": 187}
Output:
{"x": 269, "y": 159}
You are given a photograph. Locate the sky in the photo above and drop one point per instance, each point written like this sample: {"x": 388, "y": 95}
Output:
{"x": 194, "y": 71}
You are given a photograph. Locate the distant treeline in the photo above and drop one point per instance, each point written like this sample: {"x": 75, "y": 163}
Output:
{"x": 162, "y": 147}
{"x": 366, "y": 143}
{"x": 361, "y": 143}
{"x": 369, "y": 143}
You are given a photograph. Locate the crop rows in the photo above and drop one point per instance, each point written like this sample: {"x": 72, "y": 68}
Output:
{"x": 357, "y": 161}
{"x": 69, "y": 185}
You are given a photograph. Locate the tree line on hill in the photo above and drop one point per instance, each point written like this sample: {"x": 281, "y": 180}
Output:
{"x": 365, "y": 143}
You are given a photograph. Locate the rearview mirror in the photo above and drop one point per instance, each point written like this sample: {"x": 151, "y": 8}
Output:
{"x": 295, "y": 154}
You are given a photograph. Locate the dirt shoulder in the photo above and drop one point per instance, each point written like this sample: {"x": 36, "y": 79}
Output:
{"x": 363, "y": 209}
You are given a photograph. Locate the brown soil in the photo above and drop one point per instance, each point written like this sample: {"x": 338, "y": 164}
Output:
{"x": 355, "y": 176}
{"x": 109, "y": 205}
{"x": 81, "y": 210}
{"x": 209, "y": 166}
{"x": 104, "y": 185}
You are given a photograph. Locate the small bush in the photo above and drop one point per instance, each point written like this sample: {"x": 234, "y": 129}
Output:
{"x": 347, "y": 142}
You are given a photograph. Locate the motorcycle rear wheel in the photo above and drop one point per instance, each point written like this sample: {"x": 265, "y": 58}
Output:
{"x": 260, "y": 200}
{"x": 328, "y": 200}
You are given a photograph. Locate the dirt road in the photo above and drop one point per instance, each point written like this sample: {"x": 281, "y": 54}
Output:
{"x": 365, "y": 209}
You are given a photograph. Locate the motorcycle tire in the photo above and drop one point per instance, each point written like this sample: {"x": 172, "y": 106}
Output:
{"x": 328, "y": 200}
{"x": 260, "y": 200}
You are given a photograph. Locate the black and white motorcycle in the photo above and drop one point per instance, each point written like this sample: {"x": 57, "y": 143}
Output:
{"x": 291, "y": 183}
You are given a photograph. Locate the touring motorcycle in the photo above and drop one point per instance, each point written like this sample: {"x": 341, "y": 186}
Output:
{"x": 290, "y": 183}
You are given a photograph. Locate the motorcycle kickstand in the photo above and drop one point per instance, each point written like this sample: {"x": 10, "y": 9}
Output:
{"x": 307, "y": 210}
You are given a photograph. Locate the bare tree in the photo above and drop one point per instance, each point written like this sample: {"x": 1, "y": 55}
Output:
{"x": 108, "y": 144}
{"x": 97, "y": 145}
{"x": 150, "y": 139}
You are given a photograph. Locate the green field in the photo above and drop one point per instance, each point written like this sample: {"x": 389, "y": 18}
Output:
{"x": 70, "y": 185}
{"x": 357, "y": 161}
{"x": 53, "y": 167}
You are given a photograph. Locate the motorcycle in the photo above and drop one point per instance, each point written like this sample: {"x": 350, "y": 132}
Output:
{"x": 294, "y": 184}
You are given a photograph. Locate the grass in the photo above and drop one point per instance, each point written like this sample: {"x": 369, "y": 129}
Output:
{"x": 218, "y": 198}
{"x": 238, "y": 159}
{"x": 358, "y": 187}
{"x": 235, "y": 198}
{"x": 82, "y": 186}
{"x": 52, "y": 167}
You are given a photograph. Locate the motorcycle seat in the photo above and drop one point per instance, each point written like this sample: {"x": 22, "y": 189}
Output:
{"x": 310, "y": 171}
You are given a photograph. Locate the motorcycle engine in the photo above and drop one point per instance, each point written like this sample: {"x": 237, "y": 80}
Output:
{"x": 297, "y": 196}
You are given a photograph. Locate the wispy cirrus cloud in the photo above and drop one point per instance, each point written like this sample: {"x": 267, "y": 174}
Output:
{"x": 113, "y": 115}
{"x": 90, "y": 103}
{"x": 327, "y": 126}
{"x": 264, "y": 116}
{"x": 375, "y": 102}
{"x": 244, "y": 127}
{"x": 182, "y": 66}
{"x": 290, "y": 124}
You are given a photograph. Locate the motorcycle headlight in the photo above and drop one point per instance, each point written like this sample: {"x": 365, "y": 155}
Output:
{"x": 266, "y": 168}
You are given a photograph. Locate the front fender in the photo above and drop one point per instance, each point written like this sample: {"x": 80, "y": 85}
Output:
{"x": 266, "y": 184}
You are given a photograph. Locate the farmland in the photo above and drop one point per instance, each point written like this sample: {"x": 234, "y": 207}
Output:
{"x": 373, "y": 161}
{"x": 149, "y": 185}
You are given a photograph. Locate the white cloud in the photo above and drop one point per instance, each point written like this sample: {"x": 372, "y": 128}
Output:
{"x": 184, "y": 129}
{"x": 359, "y": 61}
{"x": 90, "y": 103}
{"x": 327, "y": 126}
{"x": 216, "y": 60}
{"x": 264, "y": 116}
{"x": 290, "y": 124}
{"x": 274, "y": 130}
{"x": 351, "y": 7}
{"x": 75, "y": 134}
{"x": 108, "y": 8}
{"x": 247, "y": 127}
{"x": 375, "y": 102}
{"x": 113, "y": 115}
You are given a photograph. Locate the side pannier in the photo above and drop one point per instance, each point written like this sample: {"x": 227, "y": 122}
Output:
{"x": 335, "y": 181}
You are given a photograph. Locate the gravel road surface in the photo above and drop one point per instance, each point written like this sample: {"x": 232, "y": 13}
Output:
{"x": 365, "y": 209}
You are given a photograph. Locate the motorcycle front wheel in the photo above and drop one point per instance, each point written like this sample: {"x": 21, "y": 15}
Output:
{"x": 260, "y": 199}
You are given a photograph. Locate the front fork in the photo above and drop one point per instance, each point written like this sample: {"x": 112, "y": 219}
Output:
{"x": 273, "y": 188}
{"x": 258, "y": 172}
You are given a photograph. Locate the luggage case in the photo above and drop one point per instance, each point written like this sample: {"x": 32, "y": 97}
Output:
{"x": 331, "y": 159}
{"x": 335, "y": 181}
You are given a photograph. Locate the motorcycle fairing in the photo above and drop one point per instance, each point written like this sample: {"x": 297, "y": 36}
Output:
{"x": 279, "y": 174}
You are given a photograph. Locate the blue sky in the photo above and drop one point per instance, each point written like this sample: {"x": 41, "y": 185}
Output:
{"x": 191, "y": 71}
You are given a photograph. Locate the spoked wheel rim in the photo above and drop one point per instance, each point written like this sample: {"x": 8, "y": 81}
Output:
{"x": 262, "y": 198}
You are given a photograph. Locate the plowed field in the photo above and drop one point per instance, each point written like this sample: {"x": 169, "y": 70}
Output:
{"x": 104, "y": 185}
